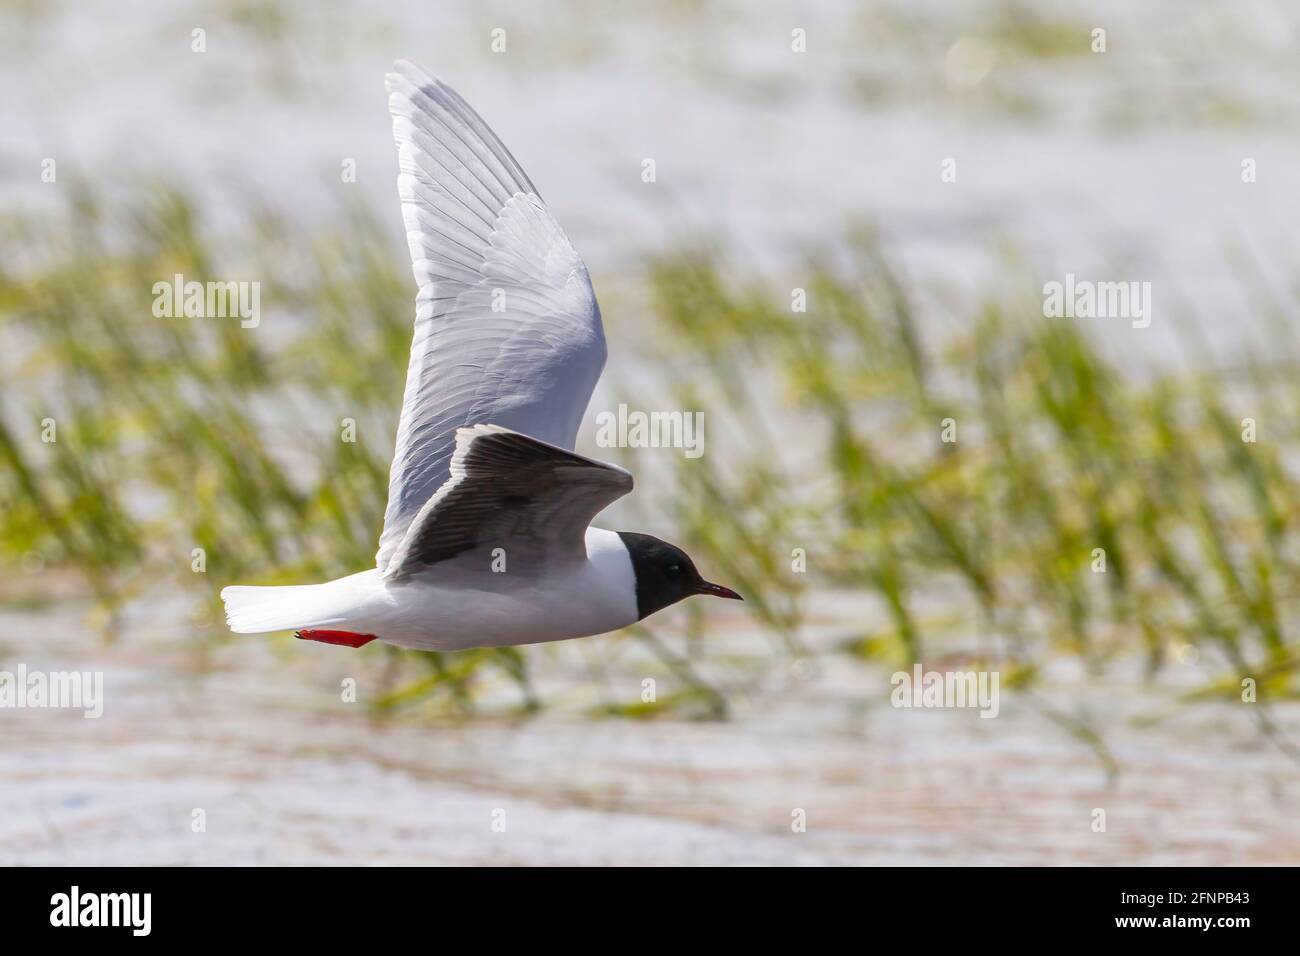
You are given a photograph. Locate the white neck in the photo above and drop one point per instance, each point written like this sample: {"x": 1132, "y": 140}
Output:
{"x": 609, "y": 568}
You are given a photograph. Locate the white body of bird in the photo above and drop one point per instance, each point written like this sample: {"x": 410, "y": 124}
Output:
{"x": 464, "y": 605}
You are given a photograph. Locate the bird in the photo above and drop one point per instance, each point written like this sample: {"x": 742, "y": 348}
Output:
{"x": 487, "y": 538}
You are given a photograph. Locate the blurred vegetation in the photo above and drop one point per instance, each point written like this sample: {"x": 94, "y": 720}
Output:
{"x": 175, "y": 434}
{"x": 1012, "y": 481}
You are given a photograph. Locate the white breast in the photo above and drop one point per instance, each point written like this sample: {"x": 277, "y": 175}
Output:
{"x": 454, "y": 606}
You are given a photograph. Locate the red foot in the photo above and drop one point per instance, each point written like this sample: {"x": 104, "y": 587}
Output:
{"x": 346, "y": 638}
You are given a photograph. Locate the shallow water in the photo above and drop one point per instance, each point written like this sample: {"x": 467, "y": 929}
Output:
{"x": 255, "y": 734}
{"x": 1124, "y": 165}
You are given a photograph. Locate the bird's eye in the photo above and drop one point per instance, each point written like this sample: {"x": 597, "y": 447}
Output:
{"x": 674, "y": 569}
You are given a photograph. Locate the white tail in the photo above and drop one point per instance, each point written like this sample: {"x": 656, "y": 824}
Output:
{"x": 252, "y": 610}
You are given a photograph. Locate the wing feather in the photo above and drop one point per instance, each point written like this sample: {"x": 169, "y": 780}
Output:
{"x": 507, "y": 328}
{"x": 505, "y": 490}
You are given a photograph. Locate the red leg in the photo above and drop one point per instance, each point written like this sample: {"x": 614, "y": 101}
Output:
{"x": 346, "y": 638}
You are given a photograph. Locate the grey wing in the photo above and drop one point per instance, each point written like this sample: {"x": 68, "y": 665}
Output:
{"x": 507, "y": 329}
{"x": 509, "y": 491}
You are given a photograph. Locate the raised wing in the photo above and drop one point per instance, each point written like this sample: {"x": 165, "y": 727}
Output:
{"x": 507, "y": 329}
{"x": 513, "y": 492}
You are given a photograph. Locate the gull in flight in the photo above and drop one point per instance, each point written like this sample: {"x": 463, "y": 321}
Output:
{"x": 487, "y": 538}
